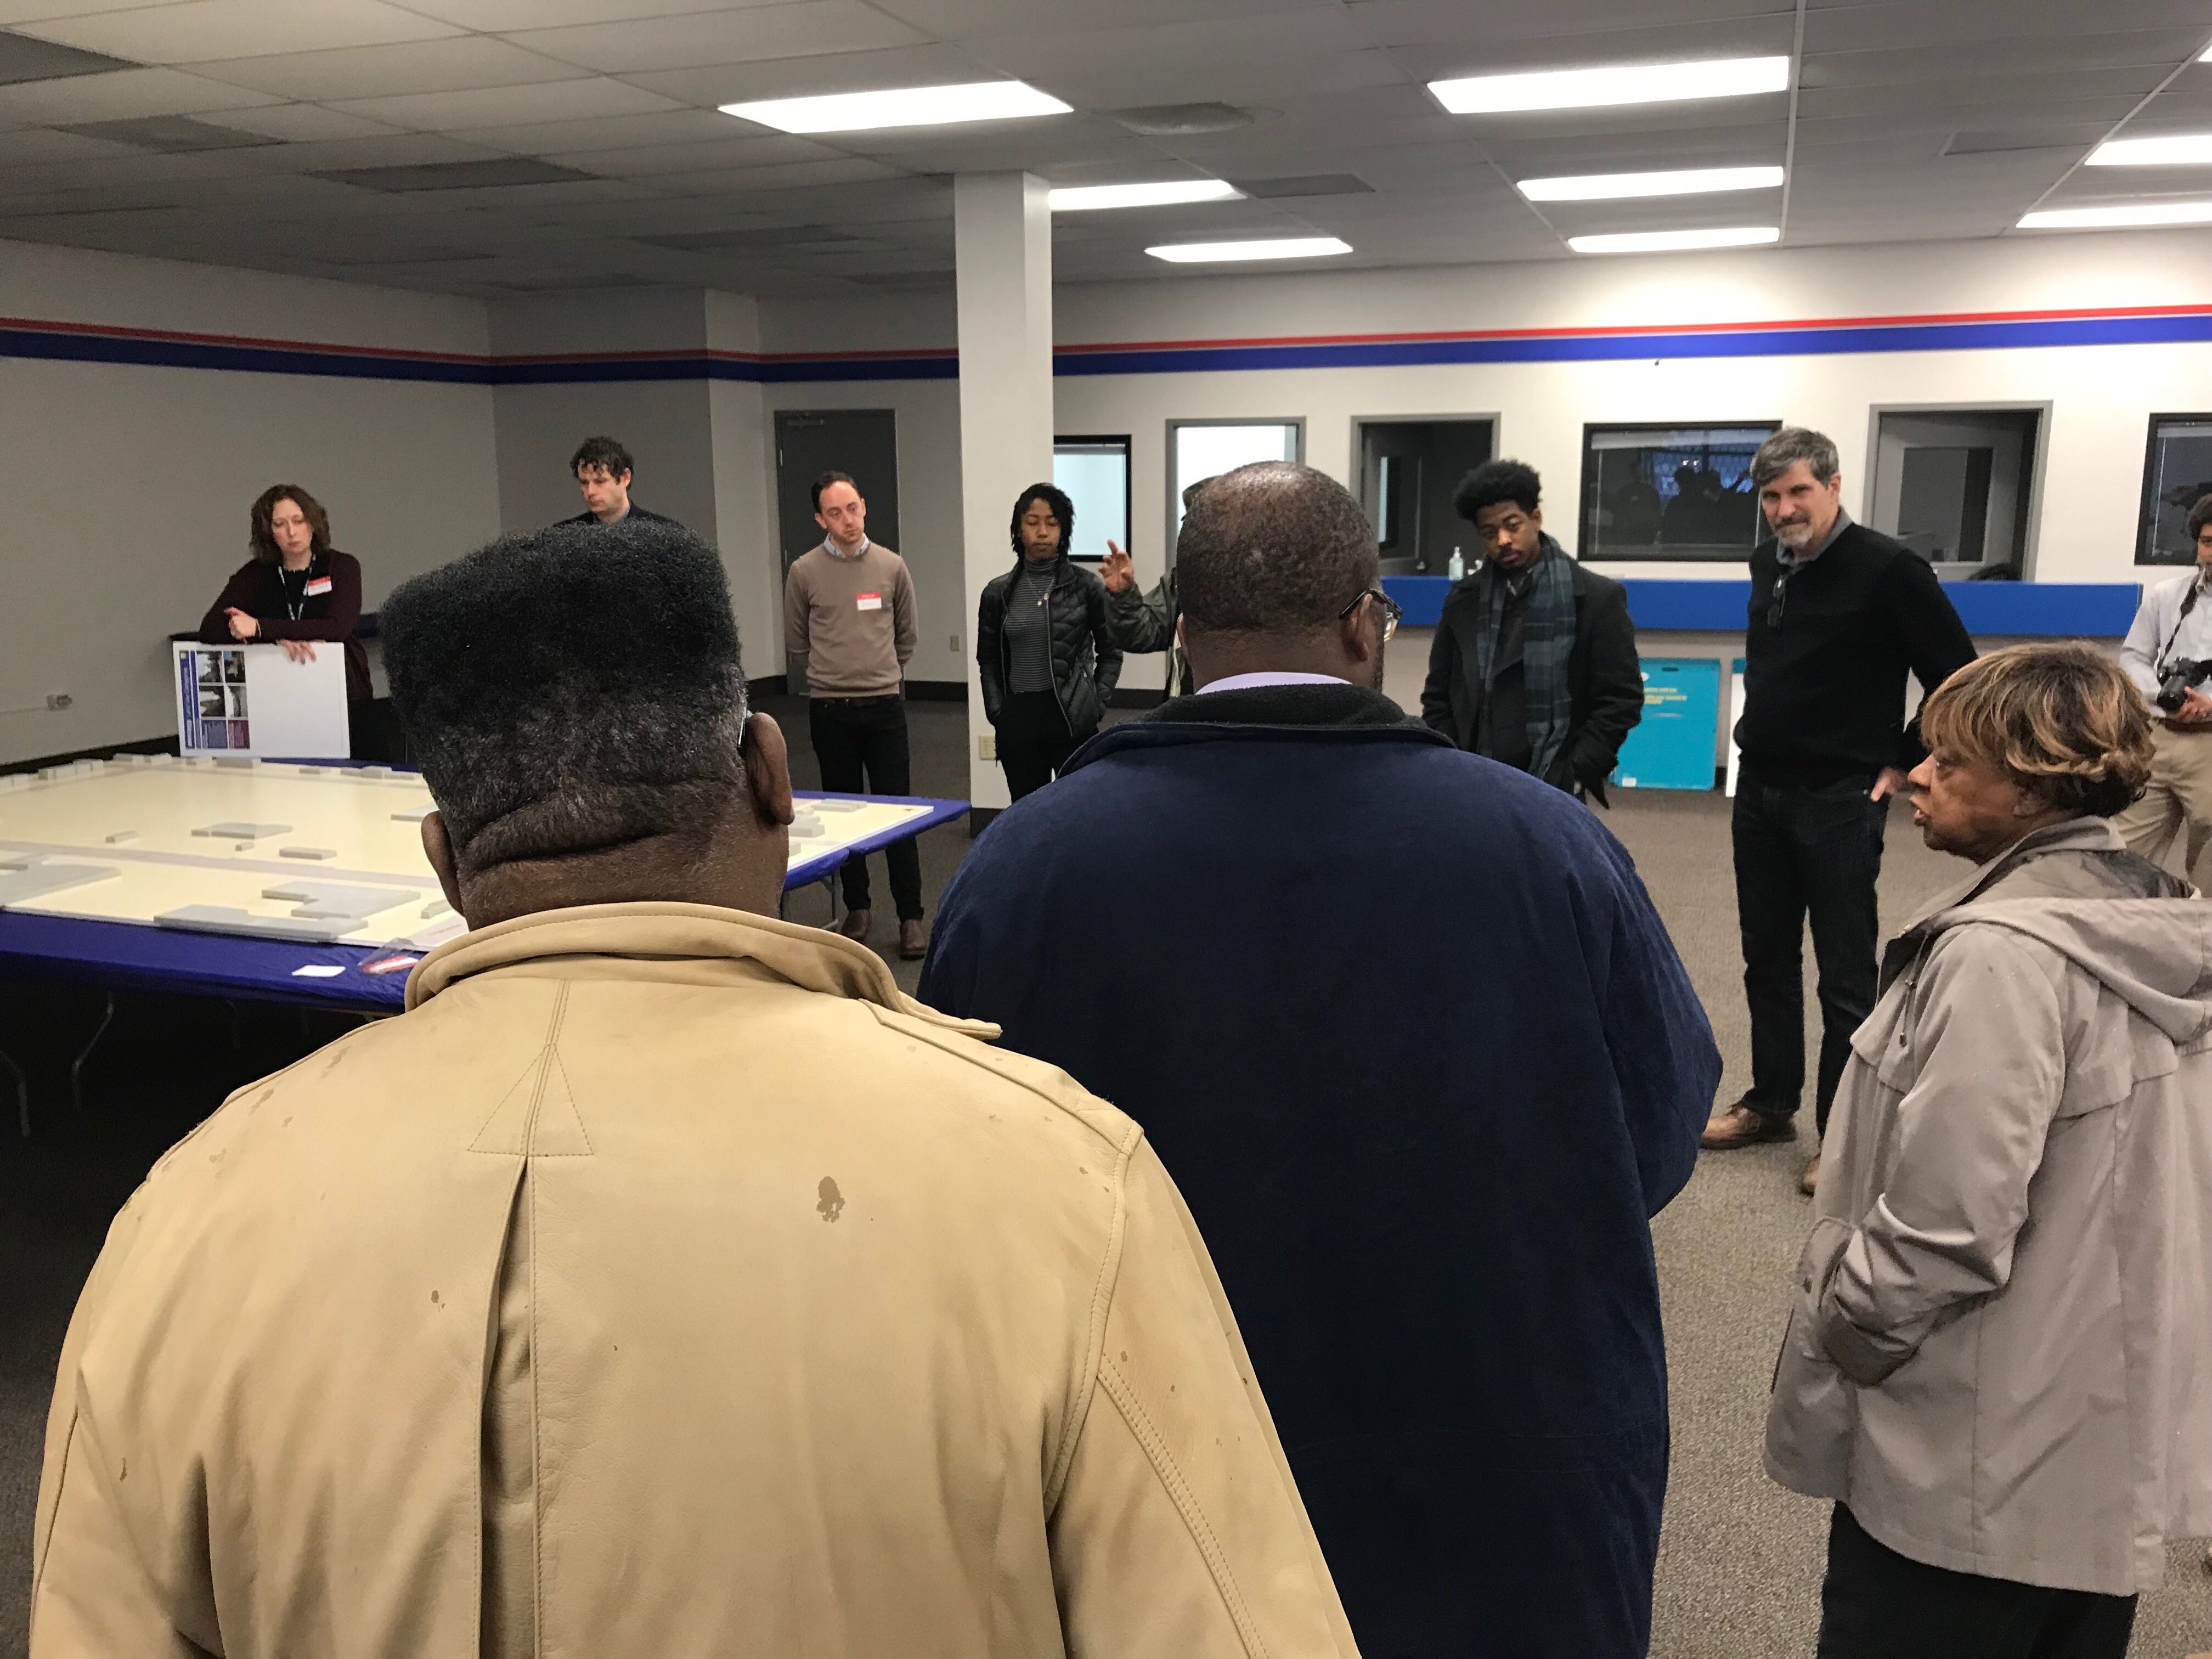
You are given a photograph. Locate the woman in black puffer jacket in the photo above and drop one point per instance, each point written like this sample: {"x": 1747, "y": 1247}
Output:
{"x": 1048, "y": 662}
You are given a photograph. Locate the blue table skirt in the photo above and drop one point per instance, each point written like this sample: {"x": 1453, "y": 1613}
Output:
{"x": 123, "y": 956}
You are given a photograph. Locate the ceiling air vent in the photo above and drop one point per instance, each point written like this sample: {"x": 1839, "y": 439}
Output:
{"x": 456, "y": 175}
{"x": 170, "y": 135}
{"x": 1182, "y": 120}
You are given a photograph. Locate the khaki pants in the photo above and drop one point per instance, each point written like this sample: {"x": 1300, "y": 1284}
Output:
{"x": 2177, "y": 803}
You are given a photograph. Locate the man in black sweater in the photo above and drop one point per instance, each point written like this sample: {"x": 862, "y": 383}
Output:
{"x": 1838, "y": 615}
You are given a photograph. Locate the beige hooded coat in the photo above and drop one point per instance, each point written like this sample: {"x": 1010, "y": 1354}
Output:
{"x": 2000, "y": 1358}
{"x": 665, "y": 1285}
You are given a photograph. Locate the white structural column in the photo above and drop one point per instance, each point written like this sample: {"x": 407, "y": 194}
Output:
{"x": 1002, "y": 243}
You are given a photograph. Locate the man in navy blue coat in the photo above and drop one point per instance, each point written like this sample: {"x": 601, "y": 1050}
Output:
{"x": 1403, "y": 1025}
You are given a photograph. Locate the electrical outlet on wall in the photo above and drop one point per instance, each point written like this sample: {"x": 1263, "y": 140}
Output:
{"x": 987, "y": 746}
{"x": 58, "y": 701}
{"x": 955, "y": 645}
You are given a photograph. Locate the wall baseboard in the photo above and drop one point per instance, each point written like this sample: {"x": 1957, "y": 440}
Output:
{"x": 166, "y": 745}
{"x": 979, "y": 819}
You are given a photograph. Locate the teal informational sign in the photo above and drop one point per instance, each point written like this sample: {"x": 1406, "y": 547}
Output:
{"x": 1672, "y": 745}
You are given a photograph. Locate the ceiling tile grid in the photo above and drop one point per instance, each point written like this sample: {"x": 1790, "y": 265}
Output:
{"x": 501, "y": 146}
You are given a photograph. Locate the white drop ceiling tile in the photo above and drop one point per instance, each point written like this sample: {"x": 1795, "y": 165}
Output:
{"x": 202, "y": 30}
{"x": 467, "y": 63}
{"x": 1171, "y": 82}
{"x": 1311, "y": 33}
{"x": 1436, "y": 22}
{"x": 386, "y": 149}
{"x": 501, "y": 16}
{"x": 989, "y": 20}
{"x": 1978, "y": 103}
{"x": 30, "y": 146}
{"x": 497, "y": 107}
{"x": 802, "y": 77}
{"x": 1747, "y": 146}
{"x": 120, "y": 94}
{"x": 995, "y": 145}
{"x": 15, "y": 12}
{"x": 551, "y": 198}
{"x": 749, "y": 34}
{"x": 1481, "y": 55}
{"x": 1655, "y": 124}
{"x": 732, "y": 184}
{"x": 1972, "y": 24}
{"x": 297, "y": 124}
{"x": 605, "y": 133}
{"x": 2159, "y": 49}
{"x": 753, "y": 149}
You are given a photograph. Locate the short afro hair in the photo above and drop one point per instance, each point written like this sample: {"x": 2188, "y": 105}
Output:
{"x": 1272, "y": 548}
{"x": 601, "y": 452}
{"x": 2062, "y": 721}
{"x": 570, "y": 689}
{"x": 1499, "y": 481}
{"x": 1062, "y": 510}
{"x": 2199, "y": 516}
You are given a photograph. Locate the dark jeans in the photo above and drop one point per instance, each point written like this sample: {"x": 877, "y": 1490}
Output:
{"x": 1804, "y": 852}
{"x": 1877, "y": 1604}
{"x": 1034, "y": 741}
{"x": 862, "y": 745}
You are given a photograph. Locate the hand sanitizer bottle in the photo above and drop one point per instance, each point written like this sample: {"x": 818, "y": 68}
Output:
{"x": 1455, "y": 569}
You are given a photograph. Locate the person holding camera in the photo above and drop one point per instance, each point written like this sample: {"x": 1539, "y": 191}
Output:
{"x": 2168, "y": 654}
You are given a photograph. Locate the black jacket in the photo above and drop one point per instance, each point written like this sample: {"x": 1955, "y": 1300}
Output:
{"x": 635, "y": 512}
{"x": 1085, "y": 661}
{"x": 1604, "y": 679}
{"x": 1824, "y": 687}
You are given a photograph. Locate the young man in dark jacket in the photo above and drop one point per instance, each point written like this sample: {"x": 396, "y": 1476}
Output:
{"x": 1047, "y": 658}
{"x": 1534, "y": 658}
{"x": 1434, "y": 1231}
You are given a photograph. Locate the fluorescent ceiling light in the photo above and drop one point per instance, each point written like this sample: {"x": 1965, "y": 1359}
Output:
{"x": 1670, "y": 241}
{"x": 1288, "y": 248}
{"x": 908, "y": 107}
{"x": 2152, "y": 152}
{"x": 2109, "y": 218}
{"x": 1619, "y": 187}
{"x": 1084, "y": 198}
{"x": 1620, "y": 83}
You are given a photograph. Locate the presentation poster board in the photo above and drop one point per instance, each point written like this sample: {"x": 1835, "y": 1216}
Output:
{"x": 1672, "y": 747}
{"x": 253, "y": 701}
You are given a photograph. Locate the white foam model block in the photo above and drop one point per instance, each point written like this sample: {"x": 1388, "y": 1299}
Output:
{"x": 30, "y": 880}
{"x": 340, "y": 900}
{"x": 232, "y": 829}
{"x": 839, "y": 806}
{"x": 307, "y": 852}
{"x": 375, "y": 771}
{"x": 122, "y": 835}
{"x": 230, "y": 919}
{"x": 413, "y": 814}
{"x": 435, "y": 907}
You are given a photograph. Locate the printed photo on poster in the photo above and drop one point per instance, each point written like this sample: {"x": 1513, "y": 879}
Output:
{"x": 215, "y": 734}
{"x": 236, "y": 695}
{"x": 233, "y": 667}
{"x": 240, "y": 737}
{"x": 210, "y": 664}
{"x": 212, "y": 706}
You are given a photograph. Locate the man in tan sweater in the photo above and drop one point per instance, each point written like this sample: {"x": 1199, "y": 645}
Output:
{"x": 849, "y": 627}
{"x": 663, "y": 1284}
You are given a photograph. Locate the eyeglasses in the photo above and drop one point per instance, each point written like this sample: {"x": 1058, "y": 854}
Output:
{"x": 1781, "y": 591}
{"x": 1392, "y": 611}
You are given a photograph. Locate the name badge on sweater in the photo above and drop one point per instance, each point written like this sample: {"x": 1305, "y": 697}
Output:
{"x": 316, "y": 586}
{"x": 870, "y": 601}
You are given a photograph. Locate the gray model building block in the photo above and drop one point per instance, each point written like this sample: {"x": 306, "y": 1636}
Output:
{"x": 307, "y": 852}
{"x": 236, "y": 763}
{"x": 122, "y": 834}
{"x": 435, "y": 907}
{"x": 231, "y": 830}
{"x": 337, "y": 901}
{"x": 375, "y": 771}
{"x": 230, "y": 919}
{"x": 415, "y": 814}
{"x": 35, "y": 877}
{"x": 838, "y": 806}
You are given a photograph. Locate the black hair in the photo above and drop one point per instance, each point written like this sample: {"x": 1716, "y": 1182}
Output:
{"x": 570, "y": 690}
{"x": 2199, "y": 516}
{"x": 602, "y": 452}
{"x": 826, "y": 480}
{"x": 1272, "y": 548}
{"x": 1062, "y": 510}
{"x": 1499, "y": 481}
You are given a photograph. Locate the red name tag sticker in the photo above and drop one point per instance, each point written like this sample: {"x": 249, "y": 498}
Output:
{"x": 396, "y": 964}
{"x": 870, "y": 601}
{"x": 316, "y": 586}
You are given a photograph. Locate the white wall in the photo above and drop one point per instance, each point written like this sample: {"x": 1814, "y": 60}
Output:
{"x": 130, "y": 485}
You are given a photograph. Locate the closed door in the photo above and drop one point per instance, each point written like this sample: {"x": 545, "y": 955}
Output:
{"x": 810, "y": 443}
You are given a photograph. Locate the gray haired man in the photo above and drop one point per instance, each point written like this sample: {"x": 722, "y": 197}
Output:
{"x": 1839, "y": 613}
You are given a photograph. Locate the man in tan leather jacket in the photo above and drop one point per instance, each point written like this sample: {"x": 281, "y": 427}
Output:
{"x": 2000, "y": 1365}
{"x": 663, "y": 1284}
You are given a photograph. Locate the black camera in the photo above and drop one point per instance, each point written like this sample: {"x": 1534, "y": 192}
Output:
{"x": 2181, "y": 673}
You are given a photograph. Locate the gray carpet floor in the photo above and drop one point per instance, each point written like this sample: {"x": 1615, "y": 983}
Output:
{"x": 1739, "y": 1559}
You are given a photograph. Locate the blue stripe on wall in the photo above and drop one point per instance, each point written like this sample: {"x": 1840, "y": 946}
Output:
{"x": 2049, "y": 609}
{"x": 1812, "y": 340}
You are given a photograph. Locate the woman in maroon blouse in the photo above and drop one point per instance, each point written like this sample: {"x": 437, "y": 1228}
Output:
{"x": 296, "y": 591}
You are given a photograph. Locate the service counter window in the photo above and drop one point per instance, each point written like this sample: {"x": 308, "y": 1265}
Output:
{"x": 2177, "y": 472}
{"x": 1671, "y": 492}
{"x": 1094, "y": 474}
{"x": 1198, "y": 450}
{"x": 1957, "y": 486}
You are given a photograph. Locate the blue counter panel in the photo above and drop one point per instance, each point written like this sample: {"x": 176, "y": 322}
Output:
{"x": 2053, "y": 610}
